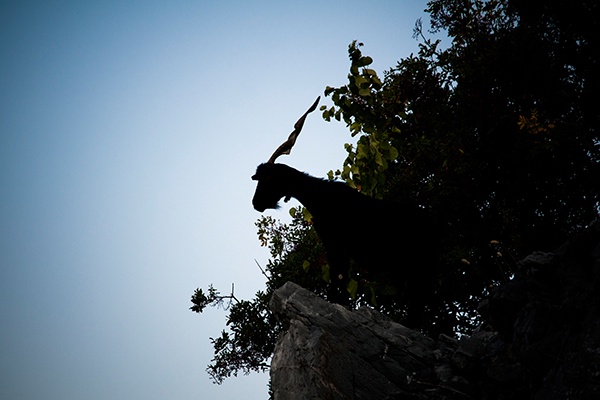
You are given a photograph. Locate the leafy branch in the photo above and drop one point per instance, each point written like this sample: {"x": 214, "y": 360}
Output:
{"x": 213, "y": 298}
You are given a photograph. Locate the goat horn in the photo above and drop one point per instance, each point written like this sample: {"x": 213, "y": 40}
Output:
{"x": 286, "y": 147}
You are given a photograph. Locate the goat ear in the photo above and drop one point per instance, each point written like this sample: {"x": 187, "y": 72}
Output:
{"x": 287, "y": 198}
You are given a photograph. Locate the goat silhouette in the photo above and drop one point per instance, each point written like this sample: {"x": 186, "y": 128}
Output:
{"x": 386, "y": 241}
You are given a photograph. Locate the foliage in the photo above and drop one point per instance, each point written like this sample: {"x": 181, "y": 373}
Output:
{"x": 496, "y": 135}
{"x": 296, "y": 255}
{"x": 484, "y": 130}
{"x": 365, "y": 166}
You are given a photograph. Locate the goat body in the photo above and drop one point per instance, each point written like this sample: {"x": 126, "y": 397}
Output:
{"x": 386, "y": 240}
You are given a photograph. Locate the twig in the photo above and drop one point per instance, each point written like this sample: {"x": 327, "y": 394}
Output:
{"x": 261, "y": 270}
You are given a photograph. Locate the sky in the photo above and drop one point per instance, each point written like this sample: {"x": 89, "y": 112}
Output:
{"x": 128, "y": 134}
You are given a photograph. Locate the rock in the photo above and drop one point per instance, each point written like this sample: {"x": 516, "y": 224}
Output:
{"x": 329, "y": 352}
{"x": 540, "y": 340}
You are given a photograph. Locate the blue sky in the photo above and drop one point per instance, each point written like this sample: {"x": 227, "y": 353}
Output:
{"x": 128, "y": 134}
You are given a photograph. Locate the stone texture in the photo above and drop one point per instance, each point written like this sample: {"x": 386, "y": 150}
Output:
{"x": 329, "y": 352}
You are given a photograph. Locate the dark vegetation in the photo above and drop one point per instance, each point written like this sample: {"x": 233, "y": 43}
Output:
{"x": 495, "y": 135}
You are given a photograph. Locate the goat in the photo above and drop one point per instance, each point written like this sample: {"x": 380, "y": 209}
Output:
{"x": 385, "y": 240}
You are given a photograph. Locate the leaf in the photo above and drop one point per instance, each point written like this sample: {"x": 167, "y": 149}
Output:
{"x": 373, "y": 297}
{"x": 361, "y": 152}
{"x": 338, "y": 115}
{"x": 325, "y": 273}
{"x": 352, "y": 288}
{"x": 379, "y": 159}
{"x": 355, "y": 127}
{"x": 306, "y": 265}
{"x": 393, "y": 153}
{"x": 377, "y": 84}
{"x": 306, "y": 215}
{"x": 359, "y": 81}
{"x": 364, "y": 61}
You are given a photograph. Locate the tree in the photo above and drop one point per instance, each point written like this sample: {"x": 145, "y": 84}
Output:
{"x": 296, "y": 255}
{"x": 496, "y": 135}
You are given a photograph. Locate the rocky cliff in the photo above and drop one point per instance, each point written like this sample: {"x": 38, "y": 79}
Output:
{"x": 540, "y": 340}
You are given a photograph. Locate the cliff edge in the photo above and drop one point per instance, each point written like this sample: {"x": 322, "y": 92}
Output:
{"x": 540, "y": 340}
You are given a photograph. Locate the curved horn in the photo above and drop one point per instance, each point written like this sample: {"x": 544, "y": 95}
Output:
{"x": 286, "y": 147}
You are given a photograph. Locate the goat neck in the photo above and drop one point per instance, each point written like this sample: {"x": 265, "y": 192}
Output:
{"x": 316, "y": 194}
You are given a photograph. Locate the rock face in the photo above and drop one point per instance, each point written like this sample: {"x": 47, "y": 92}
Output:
{"x": 541, "y": 340}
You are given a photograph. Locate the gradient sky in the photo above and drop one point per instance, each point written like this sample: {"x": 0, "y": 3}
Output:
{"x": 128, "y": 134}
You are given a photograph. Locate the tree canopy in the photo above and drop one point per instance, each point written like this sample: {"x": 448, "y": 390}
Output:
{"x": 495, "y": 134}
